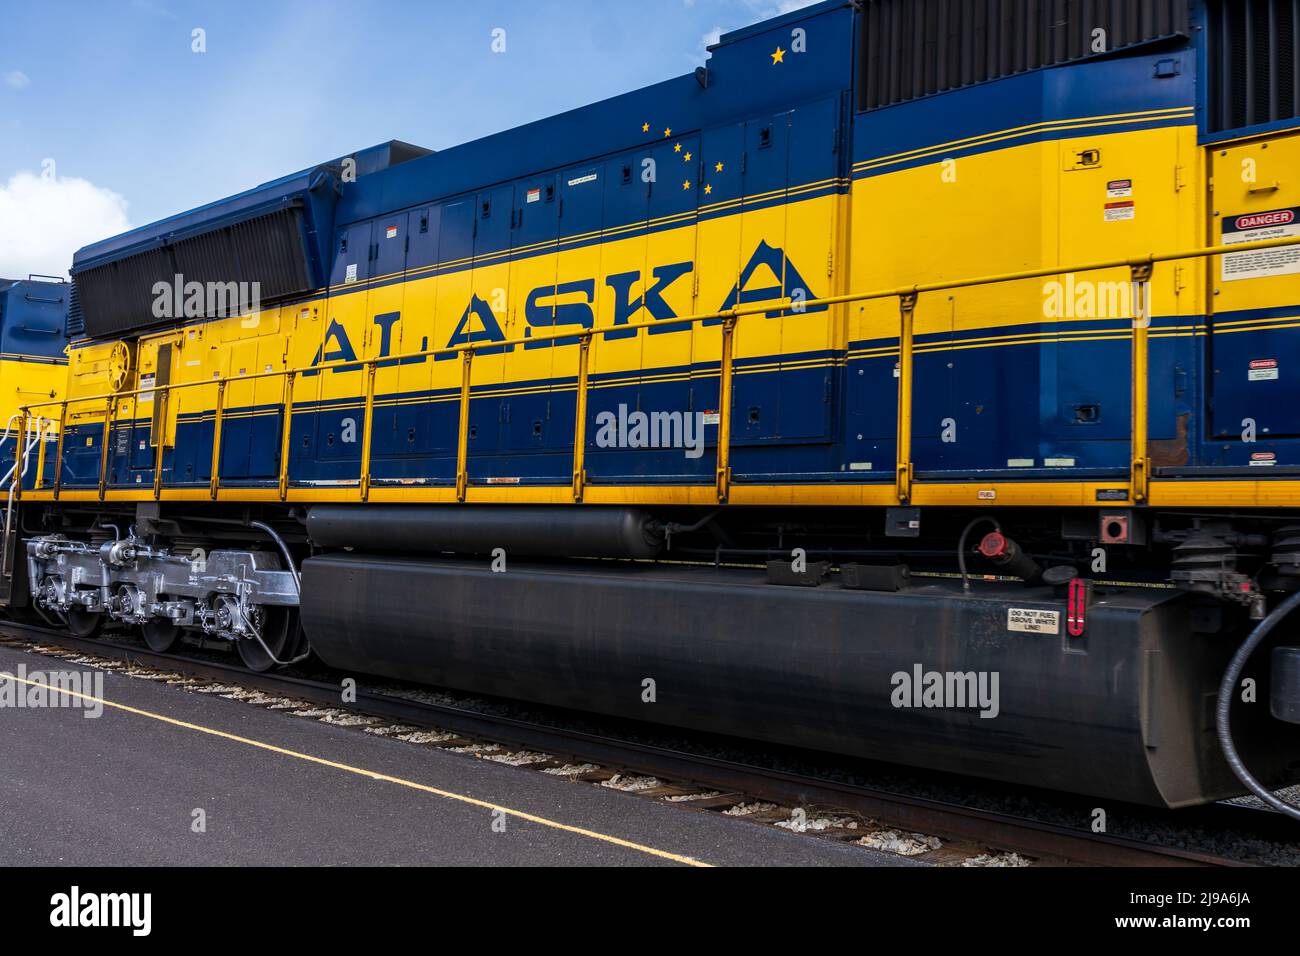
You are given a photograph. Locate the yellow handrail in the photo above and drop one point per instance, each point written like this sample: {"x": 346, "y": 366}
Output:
{"x": 1140, "y": 268}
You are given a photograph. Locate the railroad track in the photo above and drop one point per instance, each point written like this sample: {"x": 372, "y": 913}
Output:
{"x": 905, "y": 812}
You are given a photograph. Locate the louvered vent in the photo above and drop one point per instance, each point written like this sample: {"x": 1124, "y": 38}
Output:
{"x": 913, "y": 48}
{"x": 1253, "y": 48}
{"x": 76, "y": 321}
{"x": 118, "y": 297}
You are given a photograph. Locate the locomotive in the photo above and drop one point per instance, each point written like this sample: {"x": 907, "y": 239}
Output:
{"x": 902, "y": 352}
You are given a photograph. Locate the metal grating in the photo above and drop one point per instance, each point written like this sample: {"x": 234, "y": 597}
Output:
{"x": 1253, "y": 48}
{"x": 117, "y": 298}
{"x": 76, "y": 321}
{"x": 913, "y": 48}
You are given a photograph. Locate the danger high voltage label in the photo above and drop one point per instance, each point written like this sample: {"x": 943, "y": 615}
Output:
{"x": 1261, "y": 227}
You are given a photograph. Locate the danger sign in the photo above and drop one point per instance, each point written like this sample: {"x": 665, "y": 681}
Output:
{"x": 1261, "y": 227}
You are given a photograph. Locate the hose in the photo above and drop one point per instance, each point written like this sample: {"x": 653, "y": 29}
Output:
{"x": 961, "y": 548}
{"x": 297, "y": 583}
{"x": 1228, "y": 687}
{"x": 284, "y": 550}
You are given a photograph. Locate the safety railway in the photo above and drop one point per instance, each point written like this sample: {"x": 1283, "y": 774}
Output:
{"x": 867, "y": 350}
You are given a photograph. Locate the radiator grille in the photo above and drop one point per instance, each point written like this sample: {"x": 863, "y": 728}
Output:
{"x": 118, "y": 298}
{"x": 913, "y": 48}
{"x": 1253, "y": 47}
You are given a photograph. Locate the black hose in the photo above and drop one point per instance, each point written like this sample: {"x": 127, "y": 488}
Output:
{"x": 1228, "y": 688}
{"x": 961, "y": 548}
{"x": 284, "y": 550}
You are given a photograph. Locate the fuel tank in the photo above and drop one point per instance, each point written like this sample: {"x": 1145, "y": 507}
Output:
{"x": 988, "y": 683}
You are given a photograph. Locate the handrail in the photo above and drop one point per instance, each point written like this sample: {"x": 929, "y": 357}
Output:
{"x": 772, "y": 305}
{"x": 1140, "y": 267}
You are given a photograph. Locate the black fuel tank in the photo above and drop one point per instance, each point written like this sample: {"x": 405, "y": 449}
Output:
{"x": 1124, "y": 712}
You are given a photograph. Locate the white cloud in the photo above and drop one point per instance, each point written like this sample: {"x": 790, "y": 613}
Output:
{"x": 756, "y": 12}
{"x": 17, "y": 80}
{"x": 43, "y": 221}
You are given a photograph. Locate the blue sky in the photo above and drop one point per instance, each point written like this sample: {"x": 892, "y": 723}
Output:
{"x": 139, "y": 126}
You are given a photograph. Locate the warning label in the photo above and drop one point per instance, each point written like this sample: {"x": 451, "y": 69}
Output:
{"x": 1119, "y": 211}
{"x": 1261, "y": 227}
{"x": 1030, "y": 620}
{"x": 1263, "y": 370}
{"x": 1119, "y": 189}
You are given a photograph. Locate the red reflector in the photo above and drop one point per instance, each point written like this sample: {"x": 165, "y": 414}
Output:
{"x": 1076, "y": 618}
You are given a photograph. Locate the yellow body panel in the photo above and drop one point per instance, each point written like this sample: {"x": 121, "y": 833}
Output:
{"x": 1043, "y": 205}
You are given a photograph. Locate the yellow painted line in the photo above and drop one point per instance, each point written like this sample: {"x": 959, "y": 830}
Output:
{"x": 1263, "y": 323}
{"x": 373, "y": 775}
{"x": 1176, "y": 492}
{"x": 928, "y": 154}
{"x": 1046, "y": 126}
{"x": 1223, "y": 330}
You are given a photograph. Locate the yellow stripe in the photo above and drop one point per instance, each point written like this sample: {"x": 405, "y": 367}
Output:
{"x": 1046, "y": 126}
{"x": 1176, "y": 492}
{"x": 372, "y": 775}
{"x": 1252, "y": 325}
{"x": 927, "y": 154}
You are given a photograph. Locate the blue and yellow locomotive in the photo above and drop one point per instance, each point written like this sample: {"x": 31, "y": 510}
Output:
{"x": 529, "y": 416}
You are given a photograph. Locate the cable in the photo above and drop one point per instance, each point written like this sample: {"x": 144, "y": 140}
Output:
{"x": 297, "y": 583}
{"x": 961, "y": 548}
{"x": 1227, "y": 688}
{"x": 284, "y": 550}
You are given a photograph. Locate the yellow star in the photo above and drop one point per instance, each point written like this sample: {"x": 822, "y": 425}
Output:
{"x": 718, "y": 167}
{"x": 686, "y": 158}
{"x": 708, "y": 188}
{"x": 686, "y": 184}
{"x": 668, "y": 132}
{"x": 645, "y": 127}
{"x": 778, "y": 56}
{"x": 677, "y": 148}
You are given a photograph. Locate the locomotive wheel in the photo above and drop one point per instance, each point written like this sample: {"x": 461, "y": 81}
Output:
{"x": 161, "y": 635}
{"x": 278, "y": 629}
{"x": 83, "y": 623}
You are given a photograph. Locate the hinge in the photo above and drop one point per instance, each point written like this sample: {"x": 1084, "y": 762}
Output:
{"x": 695, "y": 285}
{"x": 1179, "y": 283}
{"x": 830, "y": 263}
{"x": 1179, "y": 182}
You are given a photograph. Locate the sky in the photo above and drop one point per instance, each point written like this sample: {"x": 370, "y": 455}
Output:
{"x": 111, "y": 116}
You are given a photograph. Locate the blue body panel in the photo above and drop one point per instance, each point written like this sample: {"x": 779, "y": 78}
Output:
{"x": 33, "y": 319}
